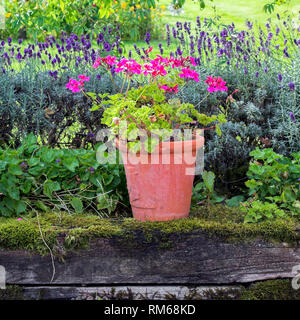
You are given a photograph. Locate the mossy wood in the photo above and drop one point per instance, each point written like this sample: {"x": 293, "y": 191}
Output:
{"x": 202, "y": 249}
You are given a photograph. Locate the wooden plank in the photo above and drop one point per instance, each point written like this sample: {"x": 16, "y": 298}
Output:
{"x": 195, "y": 259}
{"x": 124, "y": 292}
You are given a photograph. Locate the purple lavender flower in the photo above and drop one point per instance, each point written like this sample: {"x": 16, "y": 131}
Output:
{"x": 168, "y": 35}
{"x": 292, "y": 116}
{"x": 161, "y": 49}
{"x": 147, "y": 37}
{"x": 291, "y": 86}
{"x": 279, "y": 77}
{"x": 178, "y": 51}
{"x": 249, "y": 25}
{"x": 57, "y": 160}
{"x": 106, "y": 46}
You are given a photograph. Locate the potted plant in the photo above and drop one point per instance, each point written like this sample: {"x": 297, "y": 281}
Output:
{"x": 158, "y": 135}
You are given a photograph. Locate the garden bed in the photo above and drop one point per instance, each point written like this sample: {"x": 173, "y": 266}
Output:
{"x": 211, "y": 250}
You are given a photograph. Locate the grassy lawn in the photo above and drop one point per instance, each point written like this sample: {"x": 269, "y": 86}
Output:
{"x": 225, "y": 12}
{"x": 230, "y": 11}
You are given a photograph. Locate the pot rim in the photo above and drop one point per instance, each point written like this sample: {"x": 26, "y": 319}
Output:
{"x": 167, "y": 146}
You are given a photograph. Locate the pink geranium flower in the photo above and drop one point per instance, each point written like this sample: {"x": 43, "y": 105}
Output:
{"x": 74, "y": 85}
{"x": 169, "y": 89}
{"x": 188, "y": 73}
{"x": 128, "y": 66}
{"x": 215, "y": 84}
{"x": 83, "y": 77}
{"x": 106, "y": 61}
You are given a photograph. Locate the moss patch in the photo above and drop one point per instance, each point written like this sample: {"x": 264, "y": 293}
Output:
{"x": 271, "y": 290}
{"x": 63, "y": 231}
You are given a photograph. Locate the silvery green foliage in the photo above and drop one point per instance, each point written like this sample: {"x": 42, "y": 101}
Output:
{"x": 284, "y": 130}
{"x": 228, "y": 155}
{"x": 33, "y": 101}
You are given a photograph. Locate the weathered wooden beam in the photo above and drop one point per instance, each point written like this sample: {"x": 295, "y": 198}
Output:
{"x": 194, "y": 259}
{"x": 127, "y": 292}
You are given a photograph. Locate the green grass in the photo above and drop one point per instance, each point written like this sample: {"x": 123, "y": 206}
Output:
{"x": 230, "y": 11}
{"x": 223, "y": 12}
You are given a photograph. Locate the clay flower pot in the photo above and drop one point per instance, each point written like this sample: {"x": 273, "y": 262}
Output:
{"x": 160, "y": 184}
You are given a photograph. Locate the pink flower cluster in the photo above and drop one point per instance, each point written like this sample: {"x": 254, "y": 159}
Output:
{"x": 129, "y": 67}
{"x": 215, "y": 84}
{"x": 169, "y": 89}
{"x": 155, "y": 67}
{"x": 108, "y": 61}
{"x": 188, "y": 73}
{"x": 76, "y": 85}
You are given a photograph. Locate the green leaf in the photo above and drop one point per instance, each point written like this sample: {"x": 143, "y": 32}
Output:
{"x": 20, "y": 206}
{"x": 71, "y": 164}
{"x": 42, "y": 206}
{"x": 26, "y": 186}
{"x": 209, "y": 180}
{"x": 218, "y": 130}
{"x": 50, "y": 187}
{"x": 288, "y": 195}
{"x": 103, "y": 202}
{"x": 15, "y": 170}
{"x": 30, "y": 139}
{"x": 13, "y": 192}
{"x": 235, "y": 201}
{"x": 77, "y": 205}
{"x": 3, "y": 165}
{"x": 95, "y": 107}
{"x": 33, "y": 162}
{"x": 48, "y": 155}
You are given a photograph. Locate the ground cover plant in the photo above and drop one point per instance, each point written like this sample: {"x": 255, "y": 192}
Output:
{"x": 40, "y": 178}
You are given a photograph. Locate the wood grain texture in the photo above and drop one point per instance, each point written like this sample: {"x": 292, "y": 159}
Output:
{"x": 194, "y": 259}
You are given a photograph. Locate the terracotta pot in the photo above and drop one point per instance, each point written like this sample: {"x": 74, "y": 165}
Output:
{"x": 160, "y": 184}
